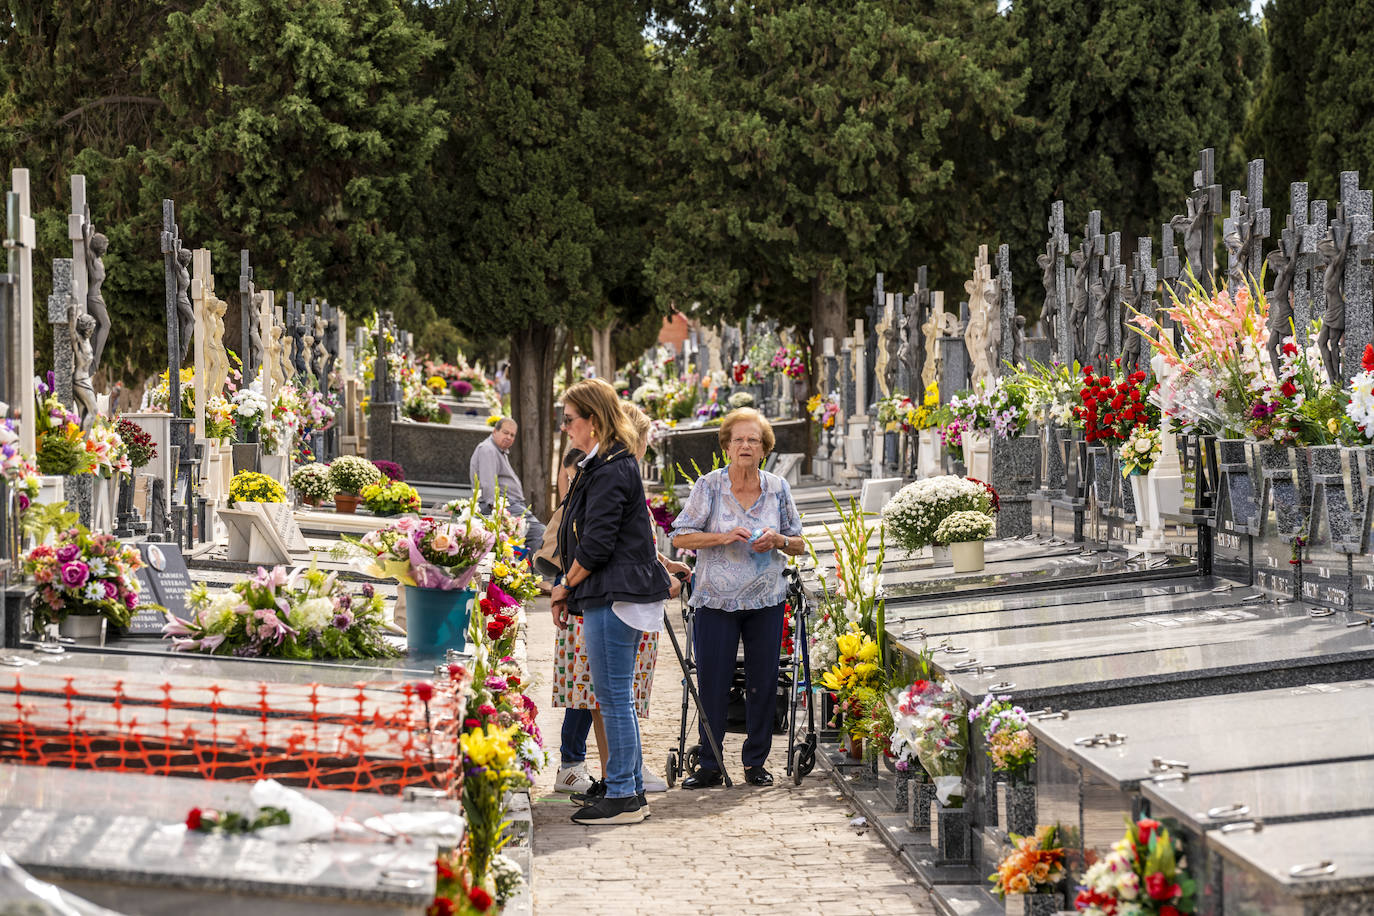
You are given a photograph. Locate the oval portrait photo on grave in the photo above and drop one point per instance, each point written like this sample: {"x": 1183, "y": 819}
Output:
{"x": 156, "y": 558}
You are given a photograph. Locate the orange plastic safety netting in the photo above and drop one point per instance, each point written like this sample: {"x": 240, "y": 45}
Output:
{"x": 367, "y": 737}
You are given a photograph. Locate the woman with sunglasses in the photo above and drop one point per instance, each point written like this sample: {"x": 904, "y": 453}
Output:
{"x": 743, "y": 525}
{"x": 613, "y": 580}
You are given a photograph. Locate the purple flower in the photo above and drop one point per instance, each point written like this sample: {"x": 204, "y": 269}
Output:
{"x": 368, "y": 591}
{"x": 111, "y": 590}
{"x": 343, "y": 620}
{"x": 130, "y": 600}
{"x": 74, "y": 575}
{"x": 23, "y": 502}
{"x": 68, "y": 553}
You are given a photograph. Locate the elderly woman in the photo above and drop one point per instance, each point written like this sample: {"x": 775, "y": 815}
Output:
{"x": 743, "y": 525}
{"x": 613, "y": 580}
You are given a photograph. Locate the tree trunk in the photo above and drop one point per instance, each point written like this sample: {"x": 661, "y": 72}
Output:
{"x": 829, "y": 318}
{"x": 532, "y": 368}
{"x": 603, "y": 350}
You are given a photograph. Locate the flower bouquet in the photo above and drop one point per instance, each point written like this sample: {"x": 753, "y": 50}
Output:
{"x": 18, "y": 469}
{"x": 390, "y": 469}
{"x": 312, "y": 482}
{"x": 1143, "y": 872}
{"x": 1011, "y": 747}
{"x": 391, "y": 498}
{"x": 252, "y": 487}
{"x": 140, "y": 445}
{"x": 499, "y": 611}
{"x": 931, "y": 719}
{"x": 301, "y": 615}
{"x": 914, "y": 515}
{"x": 108, "y": 454}
{"x": 1035, "y": 865}
{"x": 219, "y": 418}
{"x": 61, "y": 443}
{"x": 84, "y": 574}
{"x": 250, "y": 410}
{"x": 824, "y": 410}
{"x": 489, "y": 772}
{"x": 513, "y": 576}
{"x": 1141, "y": 450}
{"x": 423, "y": 552}
{"x": 1110, "y": 408}
{"x": 461, "y": 388}
{"x": 788, "y": 361}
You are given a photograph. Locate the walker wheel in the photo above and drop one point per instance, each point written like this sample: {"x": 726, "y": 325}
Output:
{"x": 805, "y": 762}
{"x": 693, "y": 758}
{"x": 671, "y": 775}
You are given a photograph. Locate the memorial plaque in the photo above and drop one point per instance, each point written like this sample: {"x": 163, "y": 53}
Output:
{"x": 165, "y": 580}
{"x": 283, "y": 520}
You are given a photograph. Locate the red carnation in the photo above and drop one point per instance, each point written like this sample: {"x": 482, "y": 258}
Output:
{"x": 1291, "y": 349}
{"x": 480, "y": 899}
{"x": 193, "y": 819}
{"x": 424, "y": 690}
{"x": 1367, "y": 360}
{"x": 1289, "y": 389}
{"x": 1146, "y": 826}
{"x": 1159, "y": 888}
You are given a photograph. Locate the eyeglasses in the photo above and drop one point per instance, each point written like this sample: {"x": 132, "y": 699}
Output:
{"x": 752, "y": 440}
{"x": 567, "y": 421}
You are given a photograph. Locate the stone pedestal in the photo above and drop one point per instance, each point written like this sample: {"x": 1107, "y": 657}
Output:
{"x": 1014, "y": 467}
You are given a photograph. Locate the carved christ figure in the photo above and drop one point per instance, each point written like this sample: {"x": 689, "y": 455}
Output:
{"x": 1191, "y": 228}
{"x": 255, "y": 344}
{"x": 216, "y": 358}
{"x": 1049, "y": 279}
{"x": 96, "y": 246}
{"x": 276, "y": 357}
{"x": 185, "y": 313}
{"x": 1238, "y": 240}
{"x": 1283, "y": 263}
{"x": 81, "y": 326}
{"x": 1332, "y": 250}
{"x": 1078, "y": 308}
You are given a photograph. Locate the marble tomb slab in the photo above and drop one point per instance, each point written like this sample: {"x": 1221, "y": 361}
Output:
{"x": 1303, "y": 868}
{"x": 120, "y": 840}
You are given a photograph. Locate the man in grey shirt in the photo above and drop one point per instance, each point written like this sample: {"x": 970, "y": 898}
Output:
{"x": 491, "y": 468}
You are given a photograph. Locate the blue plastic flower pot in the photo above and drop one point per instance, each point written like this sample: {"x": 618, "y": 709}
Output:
{"x": 436, "y": 619}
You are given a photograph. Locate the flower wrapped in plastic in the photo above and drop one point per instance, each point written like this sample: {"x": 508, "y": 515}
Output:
{"x": 931, "y": 720}
{"x": 1005, "y": 728}
{"x": 1144, "y": 873}
{"x": 423, "y": 552}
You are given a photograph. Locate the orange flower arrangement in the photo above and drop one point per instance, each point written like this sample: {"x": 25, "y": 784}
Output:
{"x": 1036, "y": 863}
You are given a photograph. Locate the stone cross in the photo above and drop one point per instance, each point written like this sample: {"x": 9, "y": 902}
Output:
{"x": 246, "y": 317}
{"x": 1358, "y": 328}
{"x": 877, "y": 310}
{"x": 1054, "y": 317}
{"x": 1107, "y": 340}
{"x": 333, "y": 334}
{"x": 847, "y": 387}
{"x": 884, "y": 363}
{"x": 59, "y": 304}
{"x": 202, "y": 287}
{"x": 981, "y": 334}
{"x": 1008, "y": 350}
{"x": 1204, "y": 204}
{"x": 1298, "y": 211}
{"x": 1144, "y": 282}
{"x": 1170, "y": 269}
{"x": 910, "y": 348}
{"x": 76, "y": 231}
{"x": 24, "y": 235}
{"x": 1086, "y": 268}
{"x": 938, "y": 324}
{"x": 860, "y": 369}
{"x": 306, "y": 353}
{"x": 1245, "y": 230}
{"x": 9, "y": 322}
{"x": 271, "y": 347}
{"x": 1313, "y": 233}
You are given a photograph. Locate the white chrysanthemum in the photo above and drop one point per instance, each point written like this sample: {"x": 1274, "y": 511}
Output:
{"x": 312, "y": 614}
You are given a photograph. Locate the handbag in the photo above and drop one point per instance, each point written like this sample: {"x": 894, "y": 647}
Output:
{"x": 546, "y": 559}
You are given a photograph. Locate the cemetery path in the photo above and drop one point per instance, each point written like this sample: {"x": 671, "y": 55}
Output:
{"x": 783, "y": 849}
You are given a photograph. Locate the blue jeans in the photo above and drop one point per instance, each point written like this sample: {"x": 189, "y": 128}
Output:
{"x": 611, "y": 648}
{"x": 577, "y": 725}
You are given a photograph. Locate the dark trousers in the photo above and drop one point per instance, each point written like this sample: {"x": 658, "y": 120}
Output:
{"x": 717, "y": 637}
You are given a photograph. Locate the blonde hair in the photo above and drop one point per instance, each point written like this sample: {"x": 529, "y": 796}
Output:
{"x": 746, "y": 415}
{"x": 595, "y": 399}
{"x": 642, "y": 424}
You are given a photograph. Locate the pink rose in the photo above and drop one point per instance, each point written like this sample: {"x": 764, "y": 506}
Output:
{"x": 74, "y": 575}
{"x": 111, "y": 590}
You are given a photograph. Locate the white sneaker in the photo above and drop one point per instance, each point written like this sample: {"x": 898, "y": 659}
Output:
{"x": 653, "y": 782}
{"x": 573, "y": 778}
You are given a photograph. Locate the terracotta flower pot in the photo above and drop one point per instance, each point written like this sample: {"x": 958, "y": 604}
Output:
{"x": 346, "y": 503}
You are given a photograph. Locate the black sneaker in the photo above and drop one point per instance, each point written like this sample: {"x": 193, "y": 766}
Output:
{"x": 610, "y": 811}
{"x": 592, "y": 795}
{"x": 644, "y": 804}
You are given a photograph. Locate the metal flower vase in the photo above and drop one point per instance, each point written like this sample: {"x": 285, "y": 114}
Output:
{"x": 84, "y": 629}
{"x": 967, "y": 556}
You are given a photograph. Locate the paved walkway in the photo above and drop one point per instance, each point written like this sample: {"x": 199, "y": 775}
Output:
{"x": 785, "y": 849}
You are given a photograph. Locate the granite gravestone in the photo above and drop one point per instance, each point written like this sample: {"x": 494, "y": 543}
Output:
{"x": 1054, "y": 317}
{"x": 165, "y": 580}
{"x": 1204, "y": 205}
{"x": 1309, "y": 266}
{"x": 917, "y": 347}
{"x": 1008, "y": 350}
